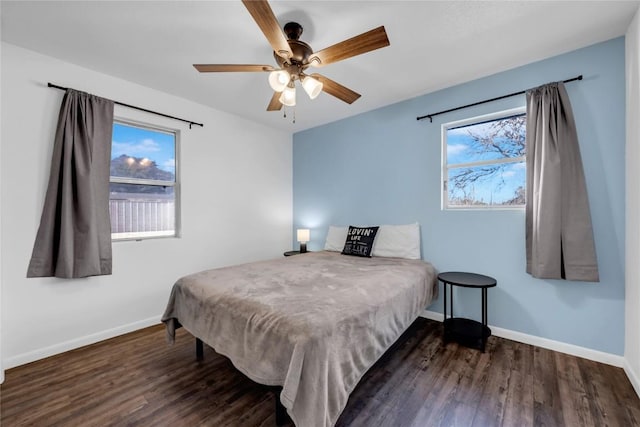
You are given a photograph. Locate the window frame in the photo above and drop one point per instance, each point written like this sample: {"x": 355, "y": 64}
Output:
{"x": 139, "y": 236}
{"x": 445, "y": 167}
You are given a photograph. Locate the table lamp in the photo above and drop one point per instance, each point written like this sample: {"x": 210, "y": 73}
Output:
{"x": 303, "y": 238}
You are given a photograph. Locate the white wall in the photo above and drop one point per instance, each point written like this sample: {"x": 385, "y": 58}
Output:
{"x": 236, "y": 186}
{"x": 632, "y": 276}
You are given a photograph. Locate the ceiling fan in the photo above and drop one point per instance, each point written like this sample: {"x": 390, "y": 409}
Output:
{"x": 294, "y": 56}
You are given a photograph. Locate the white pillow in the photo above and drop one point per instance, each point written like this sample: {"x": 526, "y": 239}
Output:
{"x": 336, "y": 237}
{"x": 395, "y": 241}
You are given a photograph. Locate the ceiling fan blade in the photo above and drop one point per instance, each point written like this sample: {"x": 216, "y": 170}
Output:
{"x": 266, "y": 20}
{"x": 336, "y": 89}
{"x": 365, "y": 42}
{"x": 275, "y": 104}
{"x": 220, "y": 68}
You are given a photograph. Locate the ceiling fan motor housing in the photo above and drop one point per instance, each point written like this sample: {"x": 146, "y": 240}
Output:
{"x": 300, "y": 51}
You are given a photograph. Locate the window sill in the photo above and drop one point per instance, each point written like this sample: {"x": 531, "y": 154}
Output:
{"x": 142, "y": 235}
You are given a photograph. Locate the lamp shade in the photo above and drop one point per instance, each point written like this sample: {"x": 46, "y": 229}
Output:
{"x": 303, "y": 235}
{"x": 278, "y": 80}
{"x": 312, "y": 86}
{"x": 288, "y": 96}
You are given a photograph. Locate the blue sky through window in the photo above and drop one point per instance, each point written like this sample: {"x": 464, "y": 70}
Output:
{"x": 144, "y": 143}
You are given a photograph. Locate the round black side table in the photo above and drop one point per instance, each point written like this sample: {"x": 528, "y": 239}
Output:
{"x": 467, "y": 332}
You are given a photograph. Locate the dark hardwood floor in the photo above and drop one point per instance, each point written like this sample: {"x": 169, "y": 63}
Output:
{"x": 139, "y": 380}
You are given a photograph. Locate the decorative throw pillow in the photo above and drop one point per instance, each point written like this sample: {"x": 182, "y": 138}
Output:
{"x": 360, "y": 241}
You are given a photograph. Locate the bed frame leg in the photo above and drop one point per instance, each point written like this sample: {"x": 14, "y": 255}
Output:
{"x": 199, "y": 349}
{"x": 282, "y": 417}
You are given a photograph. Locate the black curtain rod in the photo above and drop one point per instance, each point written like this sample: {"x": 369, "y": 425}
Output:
{"x": 139, "y": 108}
{"x": 432, "y": 115}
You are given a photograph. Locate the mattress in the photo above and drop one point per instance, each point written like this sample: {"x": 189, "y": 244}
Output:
{"x": 312, "y": 323}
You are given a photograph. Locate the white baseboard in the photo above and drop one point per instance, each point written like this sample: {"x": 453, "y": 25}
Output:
{"x": 633, "y": 377}
{"x": 52, "y": 350}
{"x": 432, "y": 315}
{"x": 574, "y": 350}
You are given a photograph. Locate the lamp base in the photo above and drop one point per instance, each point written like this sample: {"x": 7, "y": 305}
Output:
{"x": 303, "y": 248}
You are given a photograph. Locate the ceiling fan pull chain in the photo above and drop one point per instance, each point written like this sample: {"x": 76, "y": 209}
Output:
{"x": 284, "y": 113}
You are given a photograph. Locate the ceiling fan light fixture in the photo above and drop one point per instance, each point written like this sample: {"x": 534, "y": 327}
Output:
{"x": 288, "y": 96}
{"x": 279, "y": 79}
{"x": 312, "y": 86}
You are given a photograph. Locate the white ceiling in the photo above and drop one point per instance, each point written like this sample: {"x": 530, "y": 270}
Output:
{"x": 434, "y": 44}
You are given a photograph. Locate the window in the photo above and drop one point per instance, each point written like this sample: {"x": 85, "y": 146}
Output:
{"x": 484, "y": 162}
{"x": 143, "y": 185}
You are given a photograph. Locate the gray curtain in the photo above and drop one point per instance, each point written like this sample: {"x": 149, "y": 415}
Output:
{"x": 559, "y": 237}
{"x": 74, "y": 238}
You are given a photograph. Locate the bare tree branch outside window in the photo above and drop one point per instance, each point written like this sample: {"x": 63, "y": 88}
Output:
{"x": 486, "y": 163}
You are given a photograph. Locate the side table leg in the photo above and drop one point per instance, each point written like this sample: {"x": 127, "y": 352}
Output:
{"x": 484, "y": 317}
{"x": 445, "y": 332}
{"x": 444, "y": 285}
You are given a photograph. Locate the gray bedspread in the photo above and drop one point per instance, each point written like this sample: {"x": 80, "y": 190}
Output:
{"x": 312, "y": 323}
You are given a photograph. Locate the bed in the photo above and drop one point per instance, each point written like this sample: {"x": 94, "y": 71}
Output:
{"x": 312, "y": 323}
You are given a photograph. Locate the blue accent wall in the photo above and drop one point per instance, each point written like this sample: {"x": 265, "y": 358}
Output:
{"x": 384, "y": 167}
